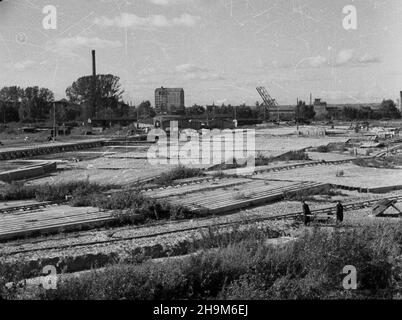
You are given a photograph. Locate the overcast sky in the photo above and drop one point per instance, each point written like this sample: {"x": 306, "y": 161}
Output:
{"x": 217, "y": 50}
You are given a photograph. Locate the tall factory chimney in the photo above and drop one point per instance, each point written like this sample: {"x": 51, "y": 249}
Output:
{"x": 400, "y": 102}
{"x": 93, "y": 83}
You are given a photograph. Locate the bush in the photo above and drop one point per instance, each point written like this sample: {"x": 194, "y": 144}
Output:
{"x": 17, "y": 191}
{"x": 299, "y": 155}
{"x": 323, "y": 149}
{"x": 262, "y": 160}
{"x": 133, "y": 206}
{"x": 309, "y": 194}
{"x": 51, "y": 192}
{"x": 54, "y": 192}
{"x": 340, "y": 147}
{"x": 309, "y": 268}
{"x": 180, "y": 172}
{"x": 340, "y": 173}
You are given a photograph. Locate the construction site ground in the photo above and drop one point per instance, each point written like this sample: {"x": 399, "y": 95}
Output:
{"x": 353, "y": 175}
{"x": 94, "y": 248}
{"x": 227, "y": 200}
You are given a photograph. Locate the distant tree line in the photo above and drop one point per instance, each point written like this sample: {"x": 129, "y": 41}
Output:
{"x": 35, "y": 104}
{"x": 241, "y": 111}
{"x": 25, "y": 104}
{"x": 387, "y": 110}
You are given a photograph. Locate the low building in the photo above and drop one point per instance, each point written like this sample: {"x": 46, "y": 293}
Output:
{"x": 284, "y": 113}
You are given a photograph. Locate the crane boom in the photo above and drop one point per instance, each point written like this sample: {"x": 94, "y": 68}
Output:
{"x": 269, "y": 102}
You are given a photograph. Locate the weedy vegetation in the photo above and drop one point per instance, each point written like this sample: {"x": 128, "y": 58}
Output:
{"x": 247, "y": 267}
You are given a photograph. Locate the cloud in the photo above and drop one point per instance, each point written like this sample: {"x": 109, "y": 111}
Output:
{"x": 189, "y": 68}
{"x": 166, "y": 3}
{"x": 349, "y": 58}
{"x": 193, "y": 72}
{"x": 344, "y": 57}
{"x": 147, "y": 71}
{"x": 21, "y": 66}
{"x": 310, "y": 62}
{"x": 204, "y": 76}
{"x": 368, "y": 59}
{"x": 66, "y": 46}
{"x": 186, "y": 20}
{"x": 317, "y": 61}
{"x": 129, "y": 20}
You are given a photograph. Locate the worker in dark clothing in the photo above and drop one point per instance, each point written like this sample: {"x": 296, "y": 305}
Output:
{"x": 339, "y": 212}
{"x": 306, "y": 213}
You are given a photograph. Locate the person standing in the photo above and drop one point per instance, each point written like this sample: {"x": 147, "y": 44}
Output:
{"x": 339, "y": 212}
{"x": 306, "y": 213}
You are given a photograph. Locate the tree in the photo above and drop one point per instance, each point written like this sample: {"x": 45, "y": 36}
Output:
{"x": 12, "y": 94}
{"x": 388, "y": 109}
{"x": 9, "y": 111}
{"x": 195, "y": 110}
{"x": 39, "y": 102}
{"x": 304, "y": 112}
{"x": 107, "y": 95}
{"x": 145, "y": 110}
{"x": 245, "y": 112}
{"x": 29, "y": 104}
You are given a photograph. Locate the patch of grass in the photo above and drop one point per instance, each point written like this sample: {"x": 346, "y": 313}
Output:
{"x": 390, "y": 162}
{"x": 229, "y": 164}
{"x": 308, "y": 268}
{"x": 309, "y": 195}
{"x": 133, "y": 207}
{"x": 323, "y": 149}
{"x": 16, "y": 191}
{"x": 262, "y": 160}
{"x": 332, "y": 147}
{"x": 178, "y": 173}
{"x": 299, "y": 155}
{"x": 51, "y": 192}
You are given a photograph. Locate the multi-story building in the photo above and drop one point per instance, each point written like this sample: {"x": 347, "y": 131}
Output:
{"x": 320, "y": 109}
{"x": 169, "y": 101}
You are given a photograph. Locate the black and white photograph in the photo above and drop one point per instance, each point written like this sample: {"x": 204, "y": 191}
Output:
{"x": 177, "y": 151}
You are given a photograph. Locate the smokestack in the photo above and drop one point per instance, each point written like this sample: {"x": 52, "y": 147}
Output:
{"x": 400, "y": 102}
{"x": 93, "y": 63}
{"x": 93, "y": 83}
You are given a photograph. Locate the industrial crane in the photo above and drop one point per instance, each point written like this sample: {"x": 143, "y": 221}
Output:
{"x": 269, "y": 102}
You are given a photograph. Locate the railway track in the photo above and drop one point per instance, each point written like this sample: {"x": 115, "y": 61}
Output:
{"x": 327, "y": 210}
